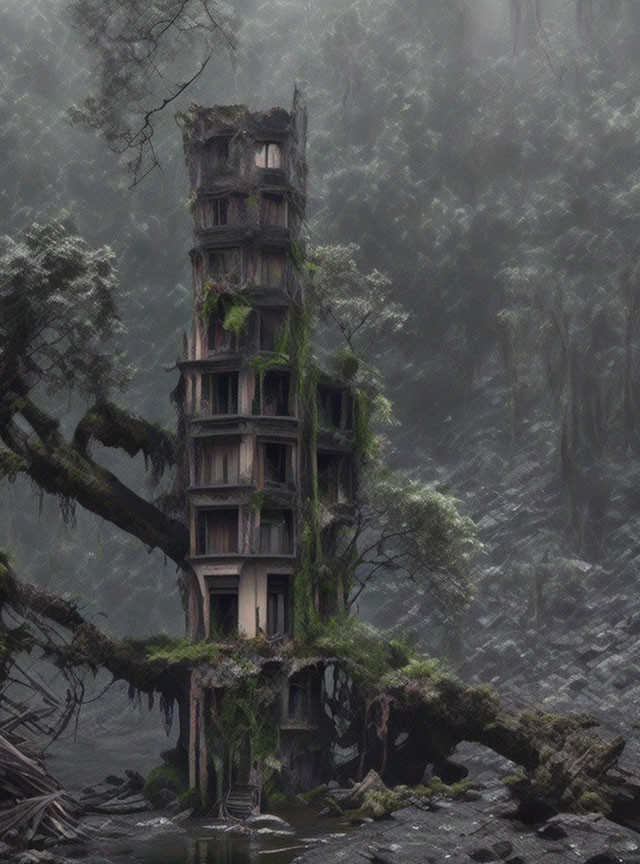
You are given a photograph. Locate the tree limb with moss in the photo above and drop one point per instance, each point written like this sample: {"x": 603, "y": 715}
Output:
{"x": 58, "y": 332}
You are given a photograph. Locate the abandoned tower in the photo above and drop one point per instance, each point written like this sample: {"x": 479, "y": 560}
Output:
{"x": 259, "y": 445}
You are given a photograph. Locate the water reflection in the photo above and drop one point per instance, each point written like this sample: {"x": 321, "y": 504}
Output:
{"x": 217, "y": 848}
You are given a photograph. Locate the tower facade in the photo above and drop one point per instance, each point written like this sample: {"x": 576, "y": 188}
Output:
{"x": 269, "y": 443}
{"x": 244, "y": 489}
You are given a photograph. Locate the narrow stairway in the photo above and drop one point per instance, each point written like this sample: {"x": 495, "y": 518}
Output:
{"x": 239, "y": 802}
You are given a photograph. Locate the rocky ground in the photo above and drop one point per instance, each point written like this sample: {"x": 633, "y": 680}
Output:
{"x": 464, "y": 832}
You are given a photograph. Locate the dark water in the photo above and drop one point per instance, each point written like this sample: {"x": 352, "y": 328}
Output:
{"x": 154, "y": 839}
{"x": 205, "y": 847}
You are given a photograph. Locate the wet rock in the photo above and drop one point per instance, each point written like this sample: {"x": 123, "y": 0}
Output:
{"x": 464, "y": 832}
{"x": 135, "y": 780}
{"x": 483, "y": 855}
{"x": 267, "y": 820}
{"x": 552, "y": 831}
{"x": 503, "y": 848}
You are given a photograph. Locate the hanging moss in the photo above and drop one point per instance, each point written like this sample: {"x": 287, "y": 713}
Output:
{"x": 364, "y": 437}
{"x": 10, "y": 464}
{"x": 236, "y": 317}
{"x": 346, "y": 362}
{"x": 309, "y": 582}
{"x": 246, "y": 713}
{"x": 210, "y": 300}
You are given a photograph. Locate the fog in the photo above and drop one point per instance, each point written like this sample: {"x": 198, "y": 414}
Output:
{"x": 485, "y": 156}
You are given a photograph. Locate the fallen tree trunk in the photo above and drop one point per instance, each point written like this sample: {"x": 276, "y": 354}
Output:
{"x": 564, "y": 764}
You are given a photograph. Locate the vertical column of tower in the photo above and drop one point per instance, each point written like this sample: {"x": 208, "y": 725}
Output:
{"x": 248, "y": 179}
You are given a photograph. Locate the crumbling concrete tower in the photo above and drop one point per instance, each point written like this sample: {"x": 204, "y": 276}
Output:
{"x": 248, "y": 177}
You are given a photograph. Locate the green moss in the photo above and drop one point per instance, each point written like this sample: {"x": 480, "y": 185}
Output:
{"x": 7, "y": 584}
{"x": 592, "y": 802}
{"x": 346, "y": 362}
{"x": 246, "y": 711}
{"x": 314, "y": 797}
{"x": 10, "y": 464}
{"x": 165, "y": 778}
{"x": 379, "y": 804}
{"x": 436, "y": 787}
{"x": 257, "y": 500}
{"x": 192, "y": 800}
{"x": 278, "y": 801}
{"x": 263, "y": 363}
{"x": 364, "y": 437}
{"x": 368, "y": 653}
{"x": 236, "y": 318}
{"x": 183, "y": 651}
{"x": 514, "y": 780}
{"x": 416, "y": 669}
{"x": 210, "y": 300}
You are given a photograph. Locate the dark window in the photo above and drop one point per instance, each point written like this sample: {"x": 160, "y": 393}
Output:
{"x": 272, "y": 396}
{"x": 335, "y": 408}
{"x": 218, "y": 153}
{"x": 335, "y": 476}
{"x": 217, "y": 532}
{"x": 273, "y": 211}
{"x": 277, "y": 605}
{"x": 220, "y": 393}
{"x": 276, "y": 532}
{"x": 272, "y": 324}
{"x": 223, "y": 606}
{"x": 277, "y": 459}
{"x": 297, "y": 707}
{"x": 215, "y": 212}
{"x": 218, "y": 339}
{"x": 269, "y": 155}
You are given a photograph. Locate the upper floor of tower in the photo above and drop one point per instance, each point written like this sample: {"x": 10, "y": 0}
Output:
{"x": 247, "y": 169}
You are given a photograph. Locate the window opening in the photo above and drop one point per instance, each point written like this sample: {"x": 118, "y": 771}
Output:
{"x": 271, "y": 329}
{"x": 277, "y": 458}
{"x": 335, "y": 476}
{"x": 215, "y": 212}
{"x": 223, "y": 606}
{"x": 218, "y": 152}
{"x": 220, "y": 393}
{"x": 297, "y": 702}
{"x": 220, "y": 463}
{"x": 217, "y": 532}
{"x": 269, "y": 155}
{"x": 218, "y": 339}
{"x": 275, "y": 532}
{"x": 272, "y": 268}
{"x": 273, "y": 211}
{"x": 277, "y": 605}
{"x": 272, "y": 399}
{"x": 335, "y": 408}
{"x": 224, "y": 265}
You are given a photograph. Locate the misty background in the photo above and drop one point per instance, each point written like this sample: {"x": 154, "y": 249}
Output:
{"x": 493, "y": 172}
